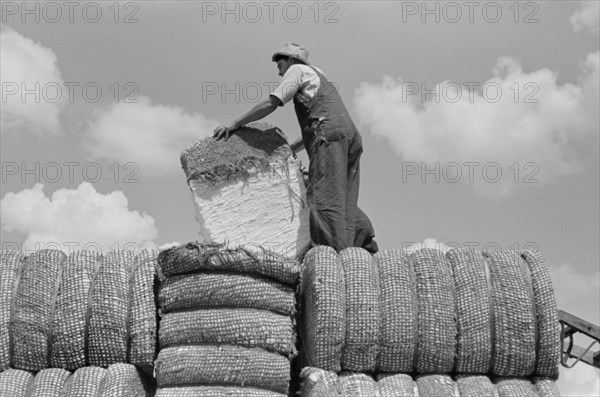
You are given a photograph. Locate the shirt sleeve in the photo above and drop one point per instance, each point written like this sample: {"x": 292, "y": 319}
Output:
{"x": 289, "y": 85}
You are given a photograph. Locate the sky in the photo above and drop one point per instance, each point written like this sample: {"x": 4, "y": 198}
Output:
{"x": 480, "y": 121}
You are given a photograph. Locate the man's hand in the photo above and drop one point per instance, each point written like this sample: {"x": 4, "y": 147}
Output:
{"x": 260, "y": 110}
{"x": 224, "y": 131}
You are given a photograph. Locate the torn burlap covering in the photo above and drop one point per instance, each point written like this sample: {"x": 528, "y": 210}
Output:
{"x": 220, "y": 365}
{"x": 108, "y": 329}
{"x": 86, "y": 381}
{"x": 142, "y": 331}
{"x": 474, "y": 311}
{"x": 246, "y": 258}
{"x": 68, "y": 349}
{"x": 323, "y": 327}
{"x": 48, "y": 382}
{"x": 548, "y": 335}
{"x": 436, "y": 311}
{"x": 243, "y": 327}
{"x": 15, "y": 382}
{"x": 10, "y": 265}
{"x": 216, "y": 391}
{"x": 122, "y": 380}
{"x": 34, "y": 309}
{"x": 475, "y": 386}
{"x": 436, "y": 386}
{"x": 253, "y": 146}
{"x": 515, "y": 387}
{"x": 221, "y": 289}
{"x": 399, "y": 333}
{"x": 363, "y": 310}
{"x": 514, "y": 318}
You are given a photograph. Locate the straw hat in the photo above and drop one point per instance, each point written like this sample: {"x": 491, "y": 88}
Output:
{"x": 293, "y": 50}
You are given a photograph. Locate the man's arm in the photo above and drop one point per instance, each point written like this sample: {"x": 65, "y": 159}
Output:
{"x": 260, "y": 110}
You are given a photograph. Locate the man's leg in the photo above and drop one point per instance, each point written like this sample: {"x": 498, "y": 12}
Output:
{"x": 327, "y": 193}
{"x": 352, "y": 187}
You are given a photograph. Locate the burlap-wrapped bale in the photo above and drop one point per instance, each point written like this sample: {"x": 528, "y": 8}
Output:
{"x": 34, "y": 309}
{"x": 108, "y": 312}
{"x": 399, "y": 333}
{"x": 15, "y": 382}
{"x": 320, "y": 383}
{"x": 48, "y": 382}
{"x": 475, "y": 386}
{"x": 317, "y": 382}
{"x": 244, "y": 327}
{"x": 68, "y": 312}
{"x": 514, "y": 318}
{"x": 436, "y": 311}
{"x": 10, "y": 267}
{"x": 546, "y": 387}
{"x": 247, "y": 259}
{"x": 436, "y": 386}
{"x": 395, "y": 385}
{"x": 357, "y": 385}
{"x": 122, "y": 380}
{"x": 216, "y": 391}
{"x": 86, "y": 381}
{"x": 68, "y": 349}
{"x": 363, "y": 310}
{"x": 222, "y": 365}
{"x": 187, "y": 258}
{"x": 514, "y": 387}
{"x": 217, "y": 289}
{"x": 548, "y": 327}
{"x": 474, "y": 311}
{"x": 323, "y": 329}
{"x": 249, "y": 188}
{"x": 143, "y": 320}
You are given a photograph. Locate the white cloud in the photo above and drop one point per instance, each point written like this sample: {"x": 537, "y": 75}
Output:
{"x": 169, "y": 245}
{"x": 576, "y": 292}
{"x": 581, "y": 380}
{"x": 74, "y": 219}
{"x": 27, "y": 66}
{"x": 587, "y": 16}
{"x": 590, "y": 83}
{"x": 152, "y": 136}
{"x": 542, "y": 129}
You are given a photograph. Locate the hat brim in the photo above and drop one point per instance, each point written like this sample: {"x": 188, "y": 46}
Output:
{"x": 285, "y": 54}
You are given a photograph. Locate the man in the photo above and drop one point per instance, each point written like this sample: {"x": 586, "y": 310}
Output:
{"x": 333, "y": 144}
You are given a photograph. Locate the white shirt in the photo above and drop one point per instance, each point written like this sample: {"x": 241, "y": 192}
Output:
{"x": 299, "y": 80}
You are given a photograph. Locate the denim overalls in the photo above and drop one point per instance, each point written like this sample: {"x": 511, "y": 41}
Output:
{"x": 334, "y": 147}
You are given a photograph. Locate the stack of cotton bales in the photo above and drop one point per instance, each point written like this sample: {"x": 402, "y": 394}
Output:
{"x": 249, "y": 189}
{"x": 118, "y": 380}
{"x": 75, "y": 311}
{"x": 429, "y": 313}
{"x": 319, "y": 383}
{"x": 227, "y": 321}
